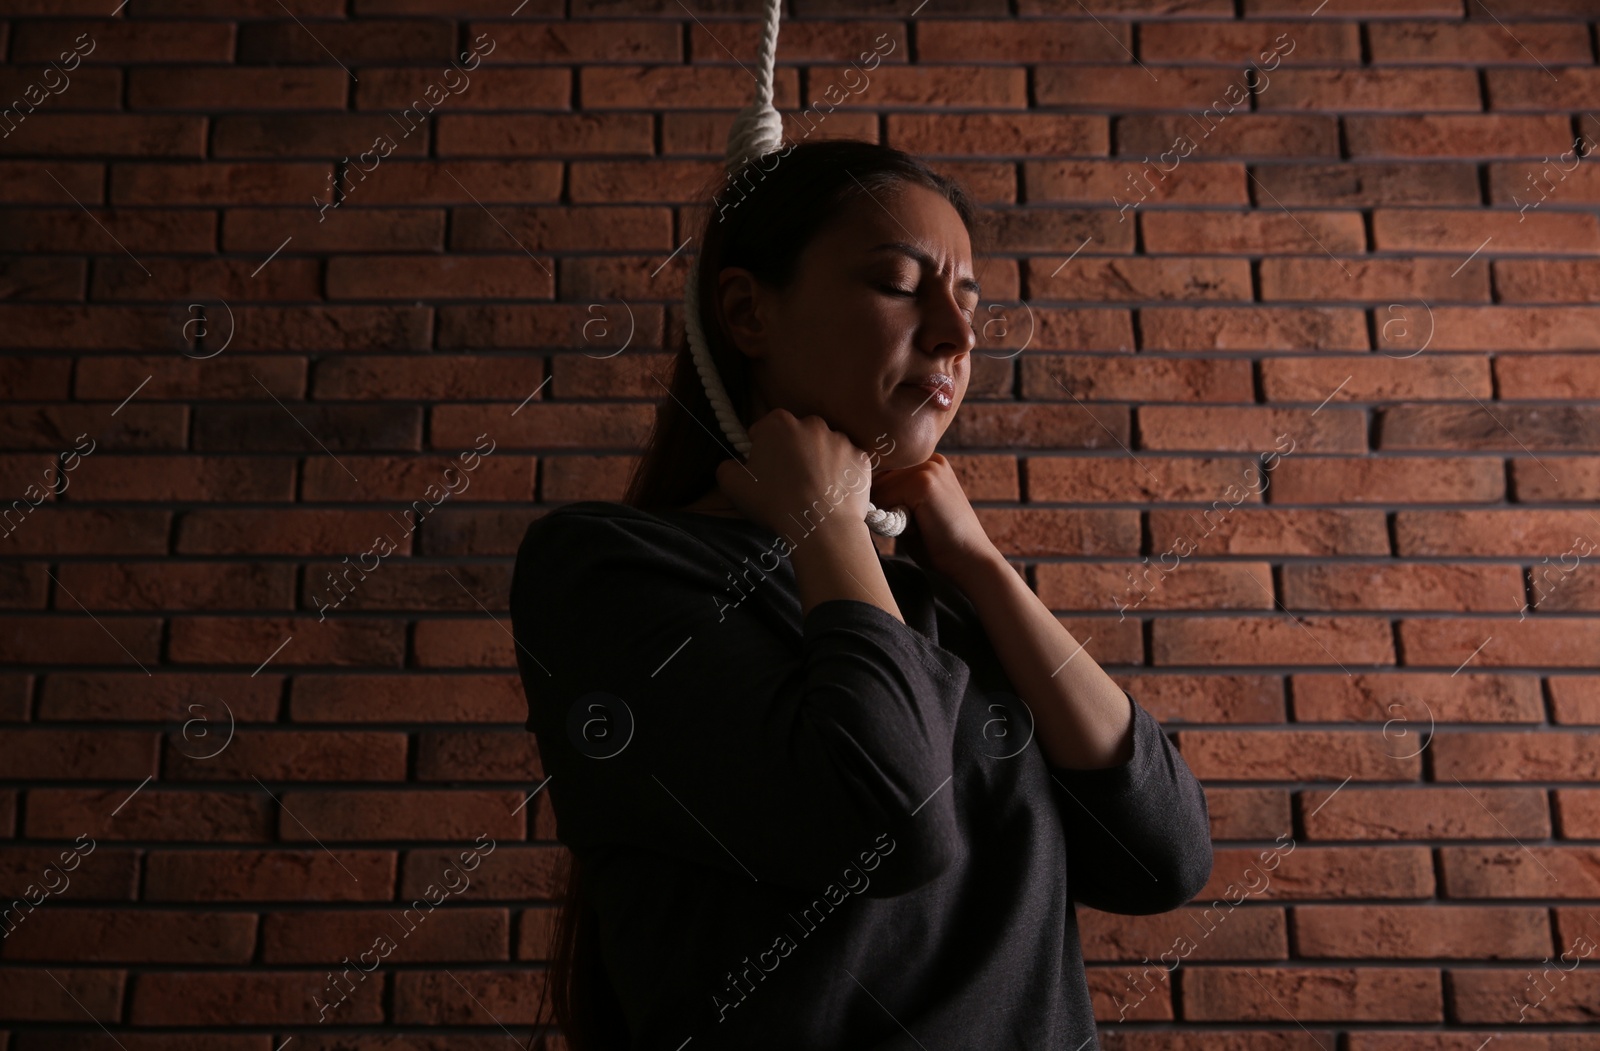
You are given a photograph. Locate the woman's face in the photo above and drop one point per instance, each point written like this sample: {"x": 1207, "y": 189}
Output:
{"x": 882, "y": 300}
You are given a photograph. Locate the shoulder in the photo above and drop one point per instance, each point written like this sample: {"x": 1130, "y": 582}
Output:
{"x": 574, "y": 547}
{"x": 587, "y": 528}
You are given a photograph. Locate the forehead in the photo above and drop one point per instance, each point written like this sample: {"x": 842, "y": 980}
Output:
{"x": 909, "y": 221}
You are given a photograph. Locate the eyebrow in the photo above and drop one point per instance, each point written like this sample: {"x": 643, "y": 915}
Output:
{"x": 966, "y": 284}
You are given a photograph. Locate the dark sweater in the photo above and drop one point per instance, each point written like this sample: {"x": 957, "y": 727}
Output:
{"x": 831, "y": 831}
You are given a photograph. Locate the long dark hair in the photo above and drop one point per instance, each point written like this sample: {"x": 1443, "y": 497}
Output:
{"x": 761, "y": 218}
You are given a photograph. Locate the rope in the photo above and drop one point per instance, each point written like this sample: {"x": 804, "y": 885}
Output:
{"x": 757, "y": 130}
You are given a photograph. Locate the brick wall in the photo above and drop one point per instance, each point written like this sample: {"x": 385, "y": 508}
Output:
{"x": 1355, "y": 244}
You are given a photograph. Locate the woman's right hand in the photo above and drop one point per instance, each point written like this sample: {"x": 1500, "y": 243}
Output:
{"x": 798, "y": 465}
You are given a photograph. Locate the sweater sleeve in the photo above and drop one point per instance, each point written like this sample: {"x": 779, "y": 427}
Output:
{"x": 785, "y": 759}
{"x": 1138, "y": 834}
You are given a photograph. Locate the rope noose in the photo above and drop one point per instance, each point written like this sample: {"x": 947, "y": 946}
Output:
{"x": 757, "y": 130}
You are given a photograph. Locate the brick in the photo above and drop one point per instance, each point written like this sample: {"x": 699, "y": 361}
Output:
{"x": 1518, "y": 329}
{"x": 469, "y": 182}
{"x": 1411, "y": 702}
{"x": 1084, "y": 586}
{"x": 443, "y": 377}
{"x": 905, "y": 86}
{"x": 555, "y": 426}
{"x": 405, "y": 479}
{"x": 1044, "y": 532}
{"x": 1118, "y": 478}
{"x": 1129, "y": 378}
{"x": 1364, "y": 184}
{"x": 75, "y": 755}
{"x": 310, "y": 429}
{"x": 1322, "y": 42}
{"x": 543, "y": 135}
{"x": 1314, "y": 994}
{"x": 1251, "y": 429}
{"x": 1098, "y": 279}
{"x": 210, "y": 282}
{"x": 1445, "y": 230}
{"x": 1519, "y": 872}
{"x": 249, "y": 641}
{"x": 1514, "y": 427}
{"x": 1039, "y": 135}
{"x": 292, "y": 756}
{"x": 320, "y": 531}
{"x": 1246, "y": 813}
{"x": 322, "y": 875}
{"x": 124, "y": 41}
{"x": 566, "y": 478}
{"x": 1269, "y": 531}
{"x": 135, "y": 936}
{"x": 408, "y": 814}
{"x": 582, "y": 41}
{"x": 1272, "y": 640}
{"x": 1094, "y": 182}
{"x": 1374, "y": 9}
{"x": 1456, "y": 135}
{"x": 1401, "y": 932}
{"x": 1368, "y": 90}
{"x": 68, "y": 531}
{"x": 138, "y": 230}
{"x": 26, "y": 182}
{"x": 90, "y": 88}
{"x": 438, "y": 277}
{"x": 1494, "y": 589}
{"x": 1292, "y": 755}
{"x": 1548, "y": 280}
{"x": 478, "y": 755}
{"x": 55, "y": 134}
{"x": 1488, "y": 533}
{"x": 366, "y": 42}
{"x": 1389, "y": 480}
{"x": 167, "y": 585}
{"x": 42, "y": 278}
{"x": 1465, "y": 43}
{"x": 332, "y": 328}
{"x": 1123, "y": 88}
{"x": 1574, "y": 699}
{"x": 1565, "y": 755}
{"x": 1252, "y": 233}
{"x": 176, "y": 377}
{"x": 1424, "y": 812}
{"x": 1578, "y": 812}
{"x": 970, "y": 40}
{"x": 411, "y": 697}
{"x": 1218, "y": 133}
{"x": 1380, "y": 281}
{"x": 704, "y": 133}
{"x": 253, "y": 89}
{"x": 424, "y": 932}
{"x": 407, "y": 89}
{"x": 1548, "y": 376}
{"x": 1252, "y": 328}
{"x": 1534, "y": 90}
{"x": 321, "y": 137}
{"x": 1443, "y": 377}
{"x": 213, "y": 183}
{"x": 256, "y": 997}
{"x": 63, "y": 994}
{"x": 1579, "y": 479}
{"x": 1491, "y": 996}
{"x": 71, "y": 639}
{"x": 151, "y": 813}
{"x": 449, "y": 999}
{"x": 1565, "y": 642}
{"x": 407, "y": 586}
{"x": 346, "y": 230}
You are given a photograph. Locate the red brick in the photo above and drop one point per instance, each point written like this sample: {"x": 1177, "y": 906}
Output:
{"x": 213, "y": 183}
{"x": 1538, "y": 90}
{"x": 1358, "y": 90}
{"x": 1361, "y": 8}
{"x": 1436, "y": 586}
{"x": 1488, "y": 533}
{"x": 460, "y": 997}
{"x": 1252, "y": 233}
{"x": 63, "y": 994}
{"x": 969, "y": 40}
{"x": 1485, "y": 43}
{"x": 1401, "y": 932}
{"x": 1574, "y": 699}
{"x": 1444, "y": 230}
{"x": 121, "y": 40}
{"x": 99, "y": 135}
{"x": 149, "y": 813}
{"x": 71, "y": 754}
{"x": 1217, "y": 529}
{"x": 100, "y": 231}
{"x": 1548, "y": 376}
{"x": 442, "y": 377}
{"x": 1548, "y": 280}
{"x": 1456, "y": 135}
{"x": 1039, "y": 135}
{"x": 704, "y": 133}
{"x": 323, "y": 138}
{"x": 1512, "y": 428}
{"x": 250, "y": 641}
{"x": 543, "y": 134}
{"x": 1253, "y": 429}
{"x": 26, "y": 182}
{"x": 439, "y": 277}
{"x": 142, "y": 936}
{"x": 1017, "y": 230}
{"x": 39, "y": 278}
{"x": 1253, "y": 328}
{"x": 1314, "y": 994}
{"x": 1531, "y": 871}
{"x": 1389, "y": 480}
{"x": 1443, "y": 377}
{"x": 407, "y": 89}
{"x": 410, "y": 814}
{"x": 1378, "y": 281}
{"x": 1512, "y": 642}
{"x": 365, "y": 42}
{"x": 1117, "y": 478}
{"x": 1322, "y": 42}
{"x": 1409, "y": 704}
{"x": 584, "y": 41}
{"x": 1565, "y": 755}
{"x": 1218, "y": 133}
{"x": 558, "y": 426}
{"x": 1125, "y": 88}
{"x": 255, "y": 997}
{"x": 1085, "y": 586}
{"x": 411, "y": 697}
{"x": 424, "y": 933}
{"x": 254, "y": 89}
{"x": 168, "y": 585}
{"x": 1129, "y": 378}
{"x": 1094, "y": 182}
{"x": 1098, "y": 279}
{"x": 1578, "y": 480}
{"x": 1273, "y": 639}
{"x": 322, "y": 875}
{"x": 1364, "y": 184}
{"x": 332, "y": 328}
{"x": 346, "y": 230}
{"x": 175, "y": 377}
{"x": 1485, "y": 996}
{"x": 91, "y": 88}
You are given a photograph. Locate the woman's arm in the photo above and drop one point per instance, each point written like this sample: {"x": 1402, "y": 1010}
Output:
{"x": 1083, "y": 719}
{"x": 838, "y": 560}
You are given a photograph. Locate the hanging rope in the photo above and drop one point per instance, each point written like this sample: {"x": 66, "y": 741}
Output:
{"x": 757, "y": 130}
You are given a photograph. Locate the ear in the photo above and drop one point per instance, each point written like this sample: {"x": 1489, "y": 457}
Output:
{"x": 745, "y": 311}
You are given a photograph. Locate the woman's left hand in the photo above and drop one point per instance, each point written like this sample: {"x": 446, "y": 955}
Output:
{"x": 944, "y": 534}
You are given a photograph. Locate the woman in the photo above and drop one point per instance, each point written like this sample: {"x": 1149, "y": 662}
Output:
{"x": 816, "y": 797}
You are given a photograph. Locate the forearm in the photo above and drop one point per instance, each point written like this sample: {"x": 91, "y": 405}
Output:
{"x": 836, "y": 560}
{"x": 1082, "y": 718}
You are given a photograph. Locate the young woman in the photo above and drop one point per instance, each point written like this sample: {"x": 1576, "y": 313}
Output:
{"x": 817, "y": 797}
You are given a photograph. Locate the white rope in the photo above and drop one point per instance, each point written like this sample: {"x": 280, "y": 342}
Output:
{"x": 757, "y": 130}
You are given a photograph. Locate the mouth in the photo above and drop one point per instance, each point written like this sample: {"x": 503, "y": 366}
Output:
{"x": 939, "y": 389}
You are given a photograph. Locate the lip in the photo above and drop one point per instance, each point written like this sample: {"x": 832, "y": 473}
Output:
{"x": 937, "y": 389}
